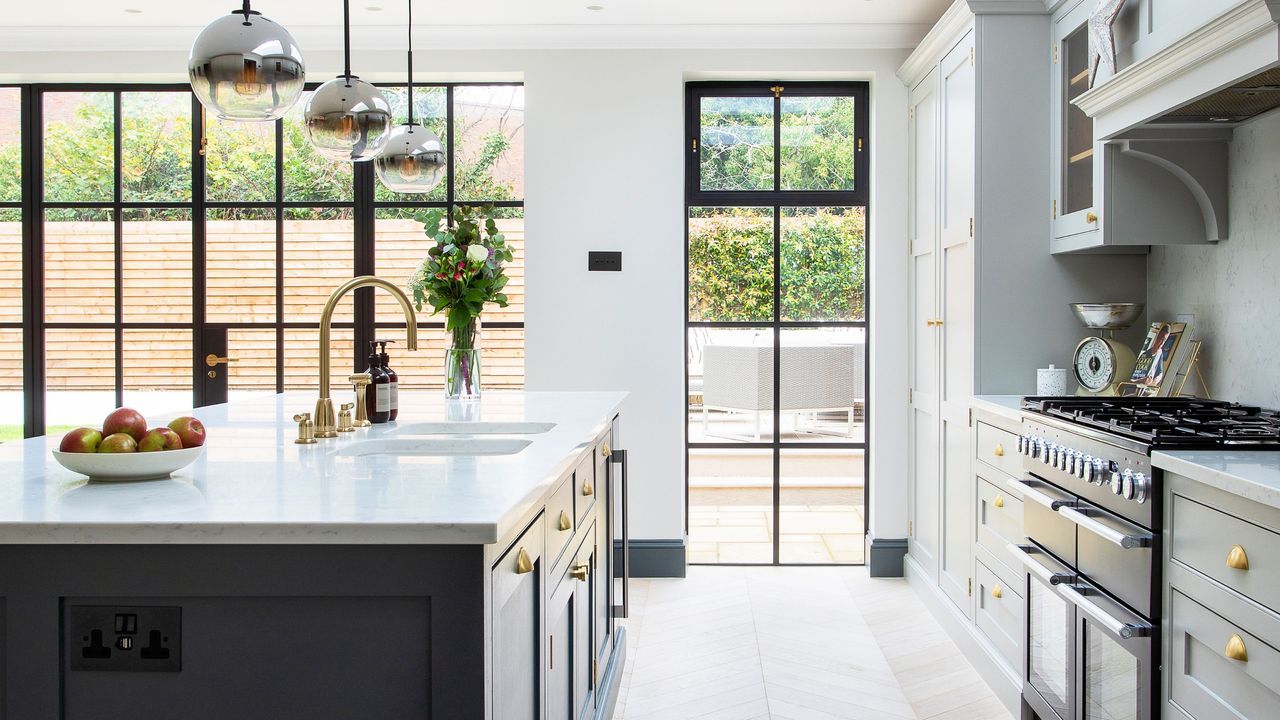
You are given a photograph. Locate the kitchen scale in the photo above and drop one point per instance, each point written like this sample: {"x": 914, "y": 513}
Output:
{"x": 1101, "y": 364}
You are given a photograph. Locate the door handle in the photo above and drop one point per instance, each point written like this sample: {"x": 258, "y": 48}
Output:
{"x": 1075, "y": 595}
{"x": 1023, "y": 553}
{"x": 1106, "y": 532}
{"x": 213, "y": 360}
{"x": 623, "y": 610}
{"x": 1030, "y": 493}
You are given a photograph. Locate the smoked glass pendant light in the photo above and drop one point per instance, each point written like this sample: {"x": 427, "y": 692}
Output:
{"x": 243, "y": 66}
{"x": 413, "y": 160}
{"x": 348, "y": 118}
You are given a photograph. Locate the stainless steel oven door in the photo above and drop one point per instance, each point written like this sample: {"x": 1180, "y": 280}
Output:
{"x": 1115, "y": 654}
{"x": 1049, "y": 685}
{"x": 1117, "y": 555}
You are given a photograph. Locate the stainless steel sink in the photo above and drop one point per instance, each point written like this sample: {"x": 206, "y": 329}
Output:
{"x": 473, "y": 428}
{"x": 435, "y": 447}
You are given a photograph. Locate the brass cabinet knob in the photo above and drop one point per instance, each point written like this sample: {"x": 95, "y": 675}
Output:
{"x": 996, "y": 592}
{"x": 1236, "y": 649}
{"x": 565, "y": 522}
{"x": 587, "y": 488}
{"x": 999, "y": 501}
{"x": 999, "y": 451}
{"x": 523, "y": 563}
{"x": 1090, "y": 218}
{"x": 580, "y": 572}
{"x": 1237, "y": 558}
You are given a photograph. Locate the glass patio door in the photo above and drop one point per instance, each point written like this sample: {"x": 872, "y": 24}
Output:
{"x": 776, "y": 322}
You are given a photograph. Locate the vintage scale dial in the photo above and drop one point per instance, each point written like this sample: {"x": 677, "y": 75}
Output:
{"x": 1095, "y": 364}
{"x": 1102, "y": 364}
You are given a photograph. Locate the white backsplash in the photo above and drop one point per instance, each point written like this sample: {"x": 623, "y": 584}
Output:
{"x": 1233, "y": 288}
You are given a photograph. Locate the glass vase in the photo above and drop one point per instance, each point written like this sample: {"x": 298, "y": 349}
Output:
{"x": 462, "y": 363}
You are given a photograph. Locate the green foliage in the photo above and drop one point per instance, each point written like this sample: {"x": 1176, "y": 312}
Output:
{"x": 731, "y": 264}
{"x": 463, "y": 269}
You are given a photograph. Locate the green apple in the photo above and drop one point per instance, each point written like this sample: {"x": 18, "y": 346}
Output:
{"x": 81, "y": 440}
{"x": 159, "y": 439}
{"x": 118, "y": 443}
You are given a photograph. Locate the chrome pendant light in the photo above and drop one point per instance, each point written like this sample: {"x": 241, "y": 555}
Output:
{"x": 243, "y": 66}
{"x": 348, "y": 118}
{"x": 413, "y": 160}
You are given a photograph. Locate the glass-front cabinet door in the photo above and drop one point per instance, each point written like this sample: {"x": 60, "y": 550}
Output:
{"x": 1077, "y": 157}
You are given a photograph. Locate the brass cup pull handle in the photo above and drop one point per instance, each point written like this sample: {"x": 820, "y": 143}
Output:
{"x": 1090, "y": 218}
{"x": 999, "y": 501}
{"x": 523, "y": 563}
{"x": 996, "y": 592}
{"x": 565, "y": 522}
{"x": 1235, "y": 649}
{"x": 587, "y": 488}
{"x": 604, "y": 450}
{"x": 214, "y": 361}
{"x": 1237, "y": 558}
{"x": 999, "y": 451}
{"x": 580, "y": 572}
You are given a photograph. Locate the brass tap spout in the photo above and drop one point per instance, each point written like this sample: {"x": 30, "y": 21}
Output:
{"x": 325, "y": 423}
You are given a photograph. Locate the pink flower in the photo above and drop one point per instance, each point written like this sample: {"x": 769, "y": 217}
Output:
{"x": 441, "y": 276}
{"x": 457, "y": 276}
{"x": 461, "y": 264}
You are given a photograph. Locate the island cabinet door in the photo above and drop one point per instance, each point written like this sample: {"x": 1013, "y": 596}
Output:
{"x": 584, "y": 670}
{"x": 560, "y": 628}
{"x": 517, "y": 649}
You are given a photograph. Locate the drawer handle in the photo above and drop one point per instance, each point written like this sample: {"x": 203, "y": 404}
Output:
{"x": 523, "y": 563}
{"x": 999, "y": 451}
{"x": 580, "y": 572}
{"x": 1236, "y": 650}
{"x": 587, "y": 488}
{"x": 565, "y": 522}
{"x": 1237, "y": 558}
{"x": 604, "y": 450}
{"x": 999, "y": 501}
{"x": 996, "y": 592}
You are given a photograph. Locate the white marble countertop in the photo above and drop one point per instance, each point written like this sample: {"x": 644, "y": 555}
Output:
{"x": 1251, "y": 474}
{"x": 254, "y": 485}
{"x": 1006, "y": 406}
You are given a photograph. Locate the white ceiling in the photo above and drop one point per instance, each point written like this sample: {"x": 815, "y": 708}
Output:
{"x": 196, "y": 13}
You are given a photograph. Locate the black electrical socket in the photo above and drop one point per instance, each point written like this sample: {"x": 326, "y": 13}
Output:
{"x": 117, "y": 638}
{"x": 610, "y": 261}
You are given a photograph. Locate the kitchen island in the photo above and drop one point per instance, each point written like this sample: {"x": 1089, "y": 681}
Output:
{"x": 403, "y": 570}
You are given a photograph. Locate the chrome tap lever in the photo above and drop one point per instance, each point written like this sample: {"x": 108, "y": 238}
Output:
{"x": 344, "y": 418}
{"x": 360, "y": 383}
{"x": 306, "y": 429}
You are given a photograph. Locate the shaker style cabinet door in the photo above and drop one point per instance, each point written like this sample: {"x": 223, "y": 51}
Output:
{"x": 516, "y": 653}
{"x": 1077, "y": 160}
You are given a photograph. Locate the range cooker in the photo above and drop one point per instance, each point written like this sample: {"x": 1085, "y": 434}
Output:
{"x": 1093, "y": 516}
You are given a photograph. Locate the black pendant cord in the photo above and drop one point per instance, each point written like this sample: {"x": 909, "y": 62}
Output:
{"x": 346, "y": 38}
{"x": 410, "y": 62}
{"x": 244, "y": 10}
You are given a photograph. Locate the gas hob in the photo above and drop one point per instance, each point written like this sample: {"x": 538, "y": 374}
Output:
{"x": 1166, "y": 423}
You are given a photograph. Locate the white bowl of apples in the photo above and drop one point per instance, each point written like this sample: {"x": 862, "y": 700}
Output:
{"x": 124, "y": 449}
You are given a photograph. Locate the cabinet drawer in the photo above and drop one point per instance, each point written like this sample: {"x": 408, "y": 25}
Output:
{"x": 999, "y": 448}
{"x": 1203, "y": 539}
{"x": 520, "y": 562}
{"x": 584, "y": 483}
{"x": 1203, "y": 680}
{"x": 999, "y": 617}
{"x": 999, "y": 522}
{"x": 559, "y": 519}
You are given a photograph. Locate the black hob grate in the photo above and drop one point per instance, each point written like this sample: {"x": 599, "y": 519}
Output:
{"x": 1168, "y": 423}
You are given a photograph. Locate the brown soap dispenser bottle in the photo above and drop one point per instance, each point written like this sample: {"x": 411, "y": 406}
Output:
{"x": 394, "y": 379}
{"x": 377, "y": 399}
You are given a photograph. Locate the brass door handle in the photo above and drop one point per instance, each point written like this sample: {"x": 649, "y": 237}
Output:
{"x": 213, "y": 360}
{"x": 1235, "y": 649}
{"x": 1237, "y": 558}
{"x": 999, "y": 451}
{"x": 565, "y": 522}
{"x": 999, "y": 501}
{"x": 580, "y": 572}
{"x": 996, "y": 592}
{"x": 1090, "y": 218}
{"x": 523, "y": 563}
{"x": 587, "y": 487}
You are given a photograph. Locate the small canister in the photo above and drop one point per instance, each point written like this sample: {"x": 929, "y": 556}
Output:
{"x": 1051, "y": 381}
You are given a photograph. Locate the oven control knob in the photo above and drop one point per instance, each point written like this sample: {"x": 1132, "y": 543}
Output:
{"x": 1064, "y": 459}
{"x": 1036, "y": 447}
{"x": 1069, "y": 466}
{"x": 1022, "y": 443}
{"x": 1141, "y": 487}
{"x": 1119, "y": 480}
{"x": 1084, "y": 466}
{"x": 1100, "y": 476}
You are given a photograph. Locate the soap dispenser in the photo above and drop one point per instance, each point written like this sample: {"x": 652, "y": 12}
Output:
{"x": 378, "y": 398}
{"x": 393, "y": 377}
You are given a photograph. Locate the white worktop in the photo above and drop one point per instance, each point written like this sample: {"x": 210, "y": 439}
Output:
{"x": 1251, "y": 474}
{"x": 1006, "y": 406}
{"x": 254, "y": 485}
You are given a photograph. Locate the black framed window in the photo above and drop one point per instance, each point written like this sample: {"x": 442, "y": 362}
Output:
{"x": 146, "y": 236}
{"x": 776, "y": 191}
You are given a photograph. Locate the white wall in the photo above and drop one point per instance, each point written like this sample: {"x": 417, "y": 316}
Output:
{"x": 603, "y": 171}
{"x": 1231, "y": 287}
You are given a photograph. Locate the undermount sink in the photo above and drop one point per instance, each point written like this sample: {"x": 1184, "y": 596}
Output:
{"x": 473, "y": 428}
{"x": 433, "y": 447}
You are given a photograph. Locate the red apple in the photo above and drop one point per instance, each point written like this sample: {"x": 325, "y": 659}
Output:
{"x": 159, "y": 439}
{"x": 127, "y": 421}
{"x": 118, "y": 443}
{"x": 81, "y": 440}
{"x": 190, "y": 430}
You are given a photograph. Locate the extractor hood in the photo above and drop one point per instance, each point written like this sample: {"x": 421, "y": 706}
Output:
{"x": 1224, "y": 69}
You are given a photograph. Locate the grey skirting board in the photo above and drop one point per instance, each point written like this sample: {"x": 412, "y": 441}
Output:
{"x": 653, "y": 558}
{"x": 886, "y": 556}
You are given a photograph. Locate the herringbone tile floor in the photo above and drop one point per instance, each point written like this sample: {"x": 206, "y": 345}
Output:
{"x": 735, "y": 643}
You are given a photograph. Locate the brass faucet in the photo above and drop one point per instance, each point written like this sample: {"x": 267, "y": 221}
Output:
{"x": 325, "y": 423}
